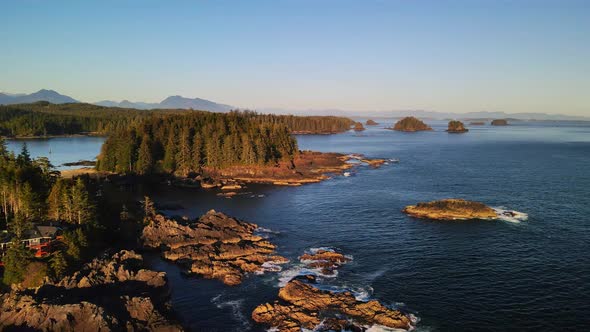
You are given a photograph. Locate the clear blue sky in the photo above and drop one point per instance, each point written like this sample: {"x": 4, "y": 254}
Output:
{"x": 513, "y": 56}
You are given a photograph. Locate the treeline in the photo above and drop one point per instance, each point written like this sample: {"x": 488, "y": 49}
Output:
{"x": 182, "y": 144}
{"x": 46, "y": 119}
{"x": 31, "y": 192}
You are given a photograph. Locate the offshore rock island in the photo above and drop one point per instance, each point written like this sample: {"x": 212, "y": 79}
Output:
{"x": 410, "y": 124}
{"x": 451, "y": 209}
{"x": 456, "y": 127}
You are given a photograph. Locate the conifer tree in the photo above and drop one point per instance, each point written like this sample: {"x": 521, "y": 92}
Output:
{"x": 144, "y": 159}
{"x": 169, "y": 162}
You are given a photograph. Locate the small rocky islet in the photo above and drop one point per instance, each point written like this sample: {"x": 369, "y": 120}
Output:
{"x": 410, "y": 124}
{"x": 371, "y": 123}
{"x": 499, "y": 122}
{"x": 451, "y": 209}
{"x": 456, "y": 127}
{"x": 358, "y": 126}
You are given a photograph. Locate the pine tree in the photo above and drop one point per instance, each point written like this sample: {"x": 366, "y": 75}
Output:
{"x": 149, "y": 208}
{"x": 83, "y": 209}
{"x": 145, "y": 159}
{"x": 56, "y": 209}
{"x": 16, "y": 260}
{"x": 183, "y": 156}
{"x": 197, "y": 152}
{"x": 58, "y": 265}
{"x": 169, "y": 162}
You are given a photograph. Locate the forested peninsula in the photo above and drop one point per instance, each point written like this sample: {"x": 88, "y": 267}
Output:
{"x": 45, "y": 119}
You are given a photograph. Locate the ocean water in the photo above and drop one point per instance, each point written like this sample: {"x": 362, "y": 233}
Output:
{"x": 453, "y": 276}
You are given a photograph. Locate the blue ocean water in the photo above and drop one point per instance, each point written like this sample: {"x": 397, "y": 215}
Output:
{"x": 453, "y": 276}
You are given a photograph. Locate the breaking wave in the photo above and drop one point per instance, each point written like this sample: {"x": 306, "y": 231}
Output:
{"x": 510, "y": 215}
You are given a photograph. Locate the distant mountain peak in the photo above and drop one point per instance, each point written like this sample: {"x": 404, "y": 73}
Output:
{"x": 51, "y": 96}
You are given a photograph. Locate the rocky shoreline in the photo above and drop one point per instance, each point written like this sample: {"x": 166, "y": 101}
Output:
{"x": 302, "y": 304}
{"x": 215, "y": 246}
{"x": 111, "y": 294}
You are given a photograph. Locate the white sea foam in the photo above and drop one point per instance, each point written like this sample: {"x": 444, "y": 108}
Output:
{"x": 510, "y": 215}
{"x": 236, "y": 310}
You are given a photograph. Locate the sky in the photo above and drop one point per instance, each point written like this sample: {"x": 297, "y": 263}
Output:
{"x": 448, "y": 56}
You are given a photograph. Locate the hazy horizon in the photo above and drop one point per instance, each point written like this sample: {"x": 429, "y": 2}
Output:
{"x": 458, "y": 56}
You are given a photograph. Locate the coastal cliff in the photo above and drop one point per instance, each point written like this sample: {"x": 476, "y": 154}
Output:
{"x": 456, "y": 127}
{"x": 451, "y": 209}
{"x": 110, "y": 294}
{"x": 410, "y": 124}
{"x": 215, "y": 246}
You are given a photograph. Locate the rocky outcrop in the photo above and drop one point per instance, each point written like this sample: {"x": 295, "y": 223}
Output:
{"x": 215, "y": 246}
{"x": 499, "y": 122}
{"x": 410, "y": 124}
{"x": 371, "y": 123}
{"x": 303, "y": 306}
{"x": 477, "y": 123}
{"x": 358, "y": 127}
{"x": 324, "y": 259}
{"x": 451, "y": 209}
{"x": 456, "y": 127}
{"x": 111, "y": 294}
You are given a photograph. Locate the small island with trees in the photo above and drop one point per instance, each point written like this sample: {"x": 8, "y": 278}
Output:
{"x": 410, "y": 124}
{"x": 499, "y": 122}
{"x": 456, "y": 127}
{"x": 358, "y": 126}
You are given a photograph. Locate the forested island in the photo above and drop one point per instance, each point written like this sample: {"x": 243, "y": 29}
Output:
{"x": 410, "y": 124}
{"x": 456, "y": 127}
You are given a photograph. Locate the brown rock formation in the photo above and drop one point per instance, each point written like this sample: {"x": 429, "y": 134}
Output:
{"x": 477, "y": 123}
{"x": 499, "y": 122}
{"x": 111, "y": 294}
{"x": 358, "y": 127}
{"x": 371, "y": 123}
{"x": 326, "y": 260}
{"x": 216, "y": 246}
{"x": 308, "y": 167}
{"x": 301, "y": 305}
{"x": 451, "y": 209}
{"x": 410, "y": 124}
{"x": 456, "y": 127}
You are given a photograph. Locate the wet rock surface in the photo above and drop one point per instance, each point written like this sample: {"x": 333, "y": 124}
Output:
{"x": 215, "y": 246}
{"x": 302, "y": 304}
{"x": 451, "y": 209}
{"x": 111, "y": 294}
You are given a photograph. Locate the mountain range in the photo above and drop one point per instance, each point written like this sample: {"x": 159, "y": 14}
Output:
{"x": 179, "y": 102}
{"x": 172, "y": 102}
